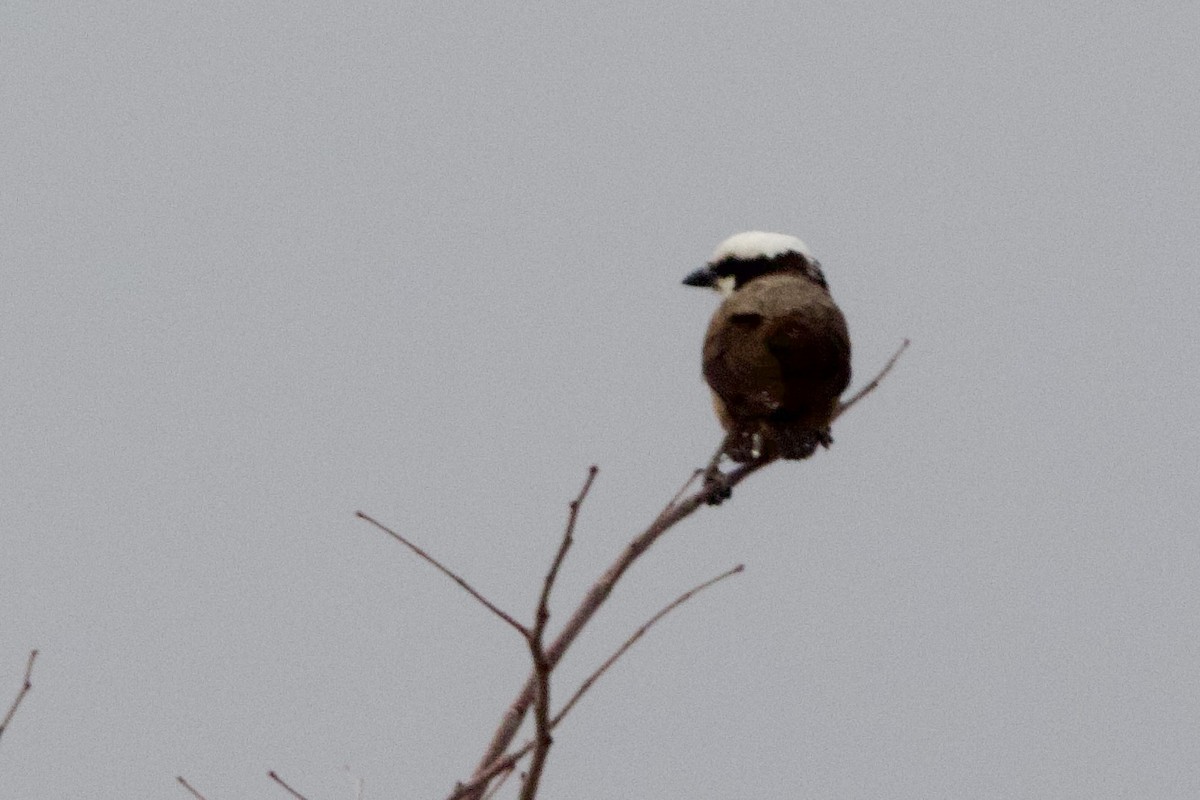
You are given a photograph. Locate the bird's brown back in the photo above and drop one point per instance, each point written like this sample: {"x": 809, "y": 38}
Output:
{"x": 778, "y": 350}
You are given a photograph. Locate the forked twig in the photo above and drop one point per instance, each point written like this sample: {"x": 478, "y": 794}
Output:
{"x": 500, "y": 780}
{"x": 504, "y": 765}
{"x": 591, "y": 603}
{"x": 521, "y": 629}
{"x": 537, "y": 650}
{"x": 26, "y": 685}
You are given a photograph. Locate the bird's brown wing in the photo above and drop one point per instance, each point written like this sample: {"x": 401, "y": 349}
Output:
{"x": 738, "y": 365}
{"x": 812, "y": 350}
{"x": 782, "y": 353}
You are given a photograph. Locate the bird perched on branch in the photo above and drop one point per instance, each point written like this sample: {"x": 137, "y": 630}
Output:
{"x": 777, "y": 352}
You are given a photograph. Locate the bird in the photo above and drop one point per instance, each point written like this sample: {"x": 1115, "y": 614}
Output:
{"x": 777, "y": 351}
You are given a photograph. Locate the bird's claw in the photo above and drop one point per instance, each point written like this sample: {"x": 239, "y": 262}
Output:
{"x": 743, "y": 446}
{"x": 716, "y": 487}
{"x": 799, "y": 443}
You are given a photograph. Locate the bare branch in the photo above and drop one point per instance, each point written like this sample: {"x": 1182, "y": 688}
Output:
{"x": 26, "y": 685}
{"x": 494, "y": 759}
{"x": 190, "y": 788}
{"x": 273, "y": 775}
{"x": 870, "y": 387}
{"x": 521, "y": 629}
{"x": 591, "y": 603}
{"x": 504, "y": 765}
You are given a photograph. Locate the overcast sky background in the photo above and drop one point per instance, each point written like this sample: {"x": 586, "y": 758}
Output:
{"x": 268, "y": 264}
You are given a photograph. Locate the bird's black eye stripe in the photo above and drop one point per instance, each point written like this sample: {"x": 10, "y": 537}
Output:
{"x": 746, "y": 270}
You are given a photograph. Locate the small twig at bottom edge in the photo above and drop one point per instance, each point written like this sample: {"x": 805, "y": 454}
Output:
{"x": 183, "y": 782}
{"x": 273, "y": 775}
{"x": 26, "y": 685}
{"x": 506, "y": 763}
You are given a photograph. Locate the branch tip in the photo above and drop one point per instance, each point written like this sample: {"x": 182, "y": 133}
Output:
{"x": 26, "y": 685}
{"x": 488, "y": 604}
{"x": 190, "y": 788}
{"x": 870, "y": 387}
{"x": 273, "y": 775}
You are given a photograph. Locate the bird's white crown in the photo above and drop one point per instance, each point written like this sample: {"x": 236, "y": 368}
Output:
{"x": 759, "y": 244}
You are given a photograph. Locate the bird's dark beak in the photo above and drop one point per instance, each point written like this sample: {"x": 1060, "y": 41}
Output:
{"x": 701, "y": 277}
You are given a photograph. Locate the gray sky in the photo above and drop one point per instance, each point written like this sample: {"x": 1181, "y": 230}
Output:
{"x": 268, "y": 264}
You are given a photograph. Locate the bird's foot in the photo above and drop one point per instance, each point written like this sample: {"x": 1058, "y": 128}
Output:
{"x": 798, "y": 443}
{"x": 743, "y": 446}
{"x": 716, "y": 487}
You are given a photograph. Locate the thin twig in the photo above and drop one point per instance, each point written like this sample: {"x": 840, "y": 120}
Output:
{"x": 541, "y": 665}
{"x": 500, "y": 780}
{"x": 190, "y": 788}
{"x": 638, "y": 634}
{"x": 713, "y": 468}
{"x": 686, "y": 485}
{"x": 273, "y": 775}
{"x": 521, "y": 629}
{"x": 543, "y": 607}
{"x": 494, "y": 755}
{"x": 505, "y": 765}
{"x": 870, "y": 387}
{"x": 26, "y": 685}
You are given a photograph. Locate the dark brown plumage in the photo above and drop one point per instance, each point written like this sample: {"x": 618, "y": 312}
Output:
{"x": 777, "y": 352}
